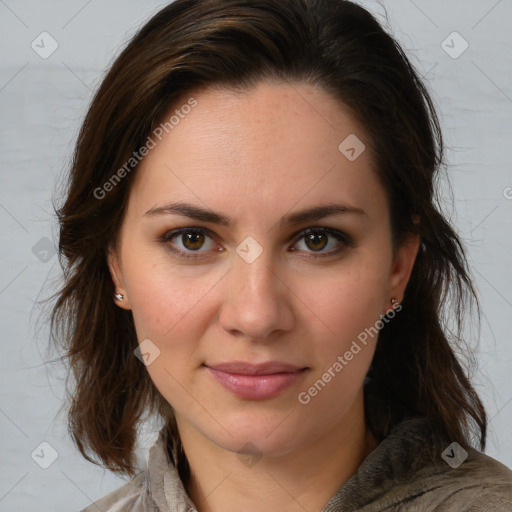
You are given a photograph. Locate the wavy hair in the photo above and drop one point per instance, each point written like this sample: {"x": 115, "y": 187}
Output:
{"x": 339, "y": 46}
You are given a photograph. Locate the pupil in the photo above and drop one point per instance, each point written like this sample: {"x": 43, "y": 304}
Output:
{"x": 314, "y": 238}
{"x": 193, "y": 240}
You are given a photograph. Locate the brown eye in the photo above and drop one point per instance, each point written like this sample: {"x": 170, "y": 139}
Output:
{"x": 316, "y": 241}
{"x": 192, "y": 241}
{"x": 189, "y": 242}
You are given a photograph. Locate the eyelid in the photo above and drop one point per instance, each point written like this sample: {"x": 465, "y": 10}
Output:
{"x": 169, "y": 235}
{"x": 342, "y": 238}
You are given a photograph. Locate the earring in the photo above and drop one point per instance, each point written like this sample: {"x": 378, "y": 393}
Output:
{"x": 119, "y": 296}
{"x": 394, "y": 302}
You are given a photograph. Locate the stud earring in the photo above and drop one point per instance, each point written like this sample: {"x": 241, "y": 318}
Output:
{"x": 394, "y": 302}
{"x": 119, "y": 296}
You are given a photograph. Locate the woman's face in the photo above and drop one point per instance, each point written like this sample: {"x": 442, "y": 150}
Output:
{"x": 255, "y": 324}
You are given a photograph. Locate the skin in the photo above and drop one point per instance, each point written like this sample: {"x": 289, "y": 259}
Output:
{"x": 255, "y": 157}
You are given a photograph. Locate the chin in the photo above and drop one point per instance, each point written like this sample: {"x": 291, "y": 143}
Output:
{"x": 264, "y": 434}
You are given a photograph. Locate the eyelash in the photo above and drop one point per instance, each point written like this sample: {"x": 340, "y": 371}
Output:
{"x": 341, "y": 237}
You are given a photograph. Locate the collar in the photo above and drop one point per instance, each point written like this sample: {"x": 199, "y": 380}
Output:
{"x": 387, "y": 472}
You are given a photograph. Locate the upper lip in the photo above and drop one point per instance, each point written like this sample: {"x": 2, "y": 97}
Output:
{"x": 245, "y": 368}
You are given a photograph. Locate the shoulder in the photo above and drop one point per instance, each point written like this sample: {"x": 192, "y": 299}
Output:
{"x": 128, "y": 498}
{"x": 479, "y": 483}
{"x": 412, "y": 471}
{"x": 157, "y": 488}
{"x": 459, "y": 479}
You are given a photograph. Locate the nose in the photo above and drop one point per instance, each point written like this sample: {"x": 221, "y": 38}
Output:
{"x": 257, "y": 300}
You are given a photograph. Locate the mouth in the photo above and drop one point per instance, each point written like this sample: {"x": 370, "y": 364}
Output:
{"x": 256, "y": 381}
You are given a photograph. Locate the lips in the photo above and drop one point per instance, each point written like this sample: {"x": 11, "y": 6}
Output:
{"x": 256, "y": 381}
{"x": 242, "y": 368}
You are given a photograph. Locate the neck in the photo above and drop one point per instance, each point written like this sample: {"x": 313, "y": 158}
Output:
{"x": 305, "y": 479}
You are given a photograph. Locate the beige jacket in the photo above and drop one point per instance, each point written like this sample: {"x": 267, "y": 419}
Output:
{"x": 402, "y": 474}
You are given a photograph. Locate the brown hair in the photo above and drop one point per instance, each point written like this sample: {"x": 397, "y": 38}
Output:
{"x": 193, "y": 44}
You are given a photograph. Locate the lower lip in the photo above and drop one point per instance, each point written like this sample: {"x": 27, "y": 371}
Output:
{"x": 256, "y": 387}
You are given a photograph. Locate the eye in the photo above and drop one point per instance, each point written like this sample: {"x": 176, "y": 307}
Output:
{"x": 189, "y": 241}
{"x": 317, "y": 239}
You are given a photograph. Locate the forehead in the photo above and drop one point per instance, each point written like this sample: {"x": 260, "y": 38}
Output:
{"x": 276, "y": 143}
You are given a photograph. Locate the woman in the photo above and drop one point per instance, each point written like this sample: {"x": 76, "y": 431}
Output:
{"x": 253, "y": 251}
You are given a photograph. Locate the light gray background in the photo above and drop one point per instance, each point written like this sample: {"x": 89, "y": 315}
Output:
{"x": 42, "y": 102}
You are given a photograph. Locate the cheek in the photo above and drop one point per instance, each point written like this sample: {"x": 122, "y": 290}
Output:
{"x": 347, "y": 307}
{"x": 162, "y": 296}
{"x": 169, "y": 311}
{"x": 349, "y": 301}
{"x": 172, "y": 308}
{"x": 344, "y": 344}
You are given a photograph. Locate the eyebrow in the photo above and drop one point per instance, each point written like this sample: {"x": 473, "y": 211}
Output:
{"x": 312, "y": 213}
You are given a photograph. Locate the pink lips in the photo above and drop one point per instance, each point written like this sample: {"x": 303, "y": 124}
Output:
{"x": 256, "y": 381}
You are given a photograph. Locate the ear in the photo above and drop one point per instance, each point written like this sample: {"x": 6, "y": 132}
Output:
{"x": 403, "y": 264}
{"x": 116, "y": 273}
